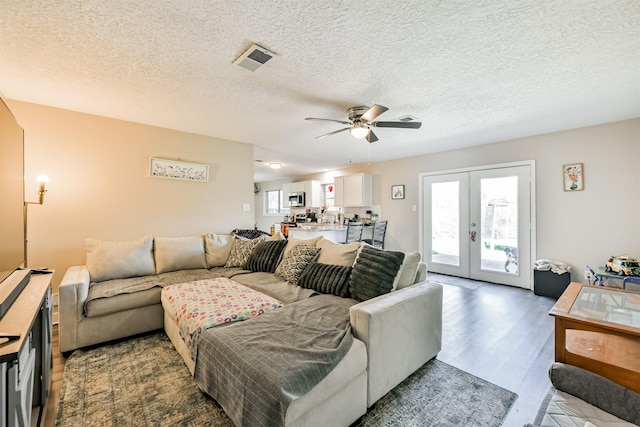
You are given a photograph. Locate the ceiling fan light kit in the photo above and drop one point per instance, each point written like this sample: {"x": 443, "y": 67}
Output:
{"x": 360, "y": 122}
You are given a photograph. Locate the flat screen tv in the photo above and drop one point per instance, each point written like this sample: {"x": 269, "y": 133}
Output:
{"x": 12, "y": 249}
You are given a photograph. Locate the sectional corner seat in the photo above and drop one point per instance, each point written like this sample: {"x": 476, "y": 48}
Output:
{"x": 373, "y": 307}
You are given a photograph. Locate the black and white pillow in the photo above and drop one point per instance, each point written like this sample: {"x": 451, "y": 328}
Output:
{"x": 326, "y": 278}
{"x": 265, "y": 256}
{"x": 295, "y": 261}
{"x": 374, "y": 272}
{"x": 241, "y": 251}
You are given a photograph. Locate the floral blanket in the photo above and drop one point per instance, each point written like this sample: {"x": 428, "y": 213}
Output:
{"x": 199, "y": 305}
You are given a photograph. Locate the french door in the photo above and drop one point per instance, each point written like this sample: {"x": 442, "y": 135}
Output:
{"x": 478, "y": 223}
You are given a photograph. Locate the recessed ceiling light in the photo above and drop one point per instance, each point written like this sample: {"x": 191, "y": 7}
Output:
{"x": 275, "y": 165}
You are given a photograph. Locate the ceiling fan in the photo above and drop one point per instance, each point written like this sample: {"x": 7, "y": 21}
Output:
{"x": 360, "y": 122}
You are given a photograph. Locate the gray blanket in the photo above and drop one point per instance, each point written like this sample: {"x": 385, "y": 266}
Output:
{"x": 256, "y": 368}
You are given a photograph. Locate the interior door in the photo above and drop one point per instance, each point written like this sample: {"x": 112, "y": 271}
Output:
{"x": 477, "y": 224}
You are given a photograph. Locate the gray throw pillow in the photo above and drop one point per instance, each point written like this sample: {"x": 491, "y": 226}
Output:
{"x": 374, "y": 272}
{"x": 326, "y": 278}
{"x": 265, "y": 256}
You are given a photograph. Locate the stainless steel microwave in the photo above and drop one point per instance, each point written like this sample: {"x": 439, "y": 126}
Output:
{"x": 296, "y": 200}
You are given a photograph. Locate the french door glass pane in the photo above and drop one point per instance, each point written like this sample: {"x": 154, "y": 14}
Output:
{"x": 499, "y": 224}
{"x": 445, "y": 223}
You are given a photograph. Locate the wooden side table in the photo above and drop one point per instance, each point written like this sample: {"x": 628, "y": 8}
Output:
{"x": 598, "y": 329}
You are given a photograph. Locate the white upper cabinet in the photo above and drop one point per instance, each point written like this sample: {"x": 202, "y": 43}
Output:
{"x": 353, "y": 190}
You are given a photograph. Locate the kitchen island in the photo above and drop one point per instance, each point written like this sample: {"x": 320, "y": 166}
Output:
{"x": 334, "y": 232}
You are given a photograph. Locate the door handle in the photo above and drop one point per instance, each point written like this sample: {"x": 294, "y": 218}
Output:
{"x": 473, "y": 236}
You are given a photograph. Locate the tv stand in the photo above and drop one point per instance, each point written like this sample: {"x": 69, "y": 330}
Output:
{"x": 26, "y": 361}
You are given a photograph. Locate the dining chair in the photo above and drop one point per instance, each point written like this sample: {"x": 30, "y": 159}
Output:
{"x": 377, "y": 235}
{"x": 630, "y": 279}
{"x": 354, "y": 232}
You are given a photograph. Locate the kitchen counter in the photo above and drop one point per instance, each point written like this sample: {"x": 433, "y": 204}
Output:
{"x": 334, "y": 232}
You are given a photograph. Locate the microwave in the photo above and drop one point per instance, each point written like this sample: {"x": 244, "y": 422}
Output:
{"x": 296, "y": 200}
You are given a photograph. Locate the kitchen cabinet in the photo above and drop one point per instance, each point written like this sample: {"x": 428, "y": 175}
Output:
{"x": 312, "y": 190}
{"x": 353, "y": 190}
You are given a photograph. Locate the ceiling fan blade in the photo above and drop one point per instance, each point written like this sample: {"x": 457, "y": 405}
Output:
{"x": 401, "y": 125}
{"x": 333, "y": 133}
{"x": 328, "y": 120}
{"x": 373, "y": 112}
{"x": 371, "y": 137}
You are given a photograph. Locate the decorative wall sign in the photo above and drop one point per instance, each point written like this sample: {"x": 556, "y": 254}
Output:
{"x": 397, "y": 191}
{"x": 573, "y": 177}
{"x": 174, "y": 169}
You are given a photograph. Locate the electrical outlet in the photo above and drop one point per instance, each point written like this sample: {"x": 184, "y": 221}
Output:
{"x": 55, "y": 299}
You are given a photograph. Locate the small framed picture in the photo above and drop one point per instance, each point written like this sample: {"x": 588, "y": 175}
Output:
{"x": 397, "y": 191}
{"x": 573, "y": 177}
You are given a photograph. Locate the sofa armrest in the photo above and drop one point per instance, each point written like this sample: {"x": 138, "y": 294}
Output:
{"x": 402, "y": 330}
{"x": 597, "y": 390}
{"x": 72, "y": 294}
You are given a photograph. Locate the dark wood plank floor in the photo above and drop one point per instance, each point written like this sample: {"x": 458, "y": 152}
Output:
{"x": 499, "y": 333}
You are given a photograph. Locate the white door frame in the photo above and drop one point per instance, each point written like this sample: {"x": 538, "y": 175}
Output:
{"x": 533, "y": 228}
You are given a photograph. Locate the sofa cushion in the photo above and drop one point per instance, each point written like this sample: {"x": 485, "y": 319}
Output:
{"x": 337, "y": 253}
{"x": 374, "y": 272}
{"x": 326, "y": 278}
{"x": 179, "y": 253}
{"x": 217, "y": 248}
{"x": 295, "y": 261}
{"x": 408, "y": 271}
{"x": 241, "y": 251}
{"x": 119, "y": 260}
{"x": 265, "y": 256}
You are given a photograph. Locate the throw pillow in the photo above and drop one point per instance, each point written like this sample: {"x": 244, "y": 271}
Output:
{"x": 326, "y": 278}
{"x": 295, "y": 261}
{"x": 407, "y": 274}
{"x": 265, "y": 256}
{"x": 374, "y": 272}
{"x": 119, "y": 260}
{"x": 217, "y": 249}
{"x": 337, "y": 253}
{"x": 179, "y": 253}
{"x": 241, "y": 251}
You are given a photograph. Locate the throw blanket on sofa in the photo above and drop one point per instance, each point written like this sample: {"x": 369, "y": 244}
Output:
{"x": 202, "y": 304}
{"x": 255, "y": 369}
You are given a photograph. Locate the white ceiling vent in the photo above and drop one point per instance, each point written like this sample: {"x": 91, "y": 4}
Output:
{"x": 253, "y": 58}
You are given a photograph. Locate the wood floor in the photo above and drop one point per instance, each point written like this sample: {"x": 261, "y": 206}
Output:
{"x": 499, "y": 333}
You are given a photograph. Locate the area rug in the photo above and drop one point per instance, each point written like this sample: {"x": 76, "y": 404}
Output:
{"x": 144, "y": 382}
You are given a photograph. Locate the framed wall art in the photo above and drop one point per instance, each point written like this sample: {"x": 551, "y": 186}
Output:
{"x": 397, "y": 191}
{"x": 573, "y": 177}
{"x": 176, "y": 169}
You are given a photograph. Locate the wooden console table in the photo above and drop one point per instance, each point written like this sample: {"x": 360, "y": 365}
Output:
{"x": 26, "y": 362}
{"x": 598, "y": 329}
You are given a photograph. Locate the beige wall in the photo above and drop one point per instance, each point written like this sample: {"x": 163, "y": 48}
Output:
{"x": 580, "y": 228}
{"x": 100, "y": 187}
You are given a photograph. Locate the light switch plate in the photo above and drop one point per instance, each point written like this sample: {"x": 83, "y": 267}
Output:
{"x": 246, "y": 207}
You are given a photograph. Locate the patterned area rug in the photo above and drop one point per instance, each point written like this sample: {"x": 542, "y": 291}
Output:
{"x": 144, "y": 382}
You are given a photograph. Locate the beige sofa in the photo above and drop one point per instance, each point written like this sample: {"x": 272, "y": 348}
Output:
{"x": 126, "y": 300}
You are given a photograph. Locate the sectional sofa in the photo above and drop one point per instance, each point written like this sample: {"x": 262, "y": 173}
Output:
{"x": 393, "y": 315}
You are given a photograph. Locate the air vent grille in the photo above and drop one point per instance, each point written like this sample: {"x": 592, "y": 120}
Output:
{"x": 253, "y": 58}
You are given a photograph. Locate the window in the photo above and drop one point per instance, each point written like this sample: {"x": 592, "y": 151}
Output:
{"x": 274, "y": 202}
{"x": 329, "y": 195}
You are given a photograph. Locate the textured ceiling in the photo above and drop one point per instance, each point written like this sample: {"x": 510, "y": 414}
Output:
{"x": 472, "y": 71}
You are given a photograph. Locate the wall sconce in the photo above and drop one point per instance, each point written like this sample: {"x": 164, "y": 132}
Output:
{"x": 42, "y": 189}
